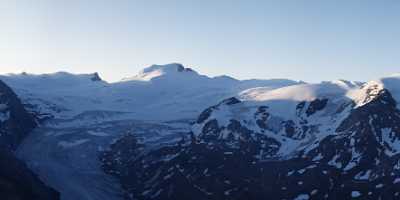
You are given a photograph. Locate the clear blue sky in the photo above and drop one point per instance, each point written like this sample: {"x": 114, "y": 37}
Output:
{"x": 311, "y": 40}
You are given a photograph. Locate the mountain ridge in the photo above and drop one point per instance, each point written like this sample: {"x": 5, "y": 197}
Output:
{"x": 57, "y": 95}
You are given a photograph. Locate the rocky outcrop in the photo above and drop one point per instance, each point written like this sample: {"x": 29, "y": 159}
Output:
{"x": 15, "y": 121}
{"x": 16, "y": 180}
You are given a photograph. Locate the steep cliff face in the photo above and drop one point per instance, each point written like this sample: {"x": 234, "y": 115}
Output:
{"x": 15, "y": 121}
{"x": 16, "y": 180}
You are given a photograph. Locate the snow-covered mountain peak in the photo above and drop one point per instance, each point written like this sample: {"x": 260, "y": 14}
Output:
{"x": 168, "y": 68}
{"x": 372, "y": 89}
{"x": 156, "y": 71}
{"x": 367, "y": 92}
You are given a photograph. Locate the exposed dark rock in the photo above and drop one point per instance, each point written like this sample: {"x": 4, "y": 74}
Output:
{"x": 189, "y": 70}
{"x": 316, "y": 105}
{"x": 179, "y": 67}
{"x": 262, "y": 115}
{"x": 230, "y": 101}
{"x": 205, "y": 115}
{"x": 17, "y": 122}
{"x": 290, "y": 128}
{"x": 96, "y": 77}
{"x": 211, "y": 130}
{"x": 16, "y": 180}
{"x": 122, "y": 152}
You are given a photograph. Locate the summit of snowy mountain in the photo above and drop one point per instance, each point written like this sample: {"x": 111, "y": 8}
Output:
{"x": 168, "y": 68}
{"x": 371, "y": 89}
{"x": 156, "y": 71}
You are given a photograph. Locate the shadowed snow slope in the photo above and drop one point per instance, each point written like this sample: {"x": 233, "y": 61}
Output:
{"x": 16, "y": 180}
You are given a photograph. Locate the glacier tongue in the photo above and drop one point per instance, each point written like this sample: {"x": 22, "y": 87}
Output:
{"x": 67, "y": 158}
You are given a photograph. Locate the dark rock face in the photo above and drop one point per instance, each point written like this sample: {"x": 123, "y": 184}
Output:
{"x": 360, "y": 160}
{"x": 362, "y": 140}
{"x": 316, "y": 105}
{"x": 230, "y": 101}
{"x": 15, "y": 122}
{"x": 121, "y": 153}
{"x": 96, "y": 77}
{"x": 206, "y": 113}
{"x": 16, "y": 180}
{"x": 262, "y": 115}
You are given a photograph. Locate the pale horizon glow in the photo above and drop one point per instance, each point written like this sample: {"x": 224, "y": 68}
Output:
{"x": 301, "y": 40}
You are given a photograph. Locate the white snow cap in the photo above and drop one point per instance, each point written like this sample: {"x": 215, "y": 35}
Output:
{"x": 372, "y": 88}
{"x": 154, "y": 71}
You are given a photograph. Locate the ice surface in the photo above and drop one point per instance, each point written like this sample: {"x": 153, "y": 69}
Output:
{"x": 66, "y": 144}
{"x": 302, "y": 197}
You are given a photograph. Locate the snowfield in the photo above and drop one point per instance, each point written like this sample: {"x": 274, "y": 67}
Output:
{"x": 167, "y": 92}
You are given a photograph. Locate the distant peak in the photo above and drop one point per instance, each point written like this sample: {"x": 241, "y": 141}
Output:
{"x": 67, "y": 75}
{"x": 154, "y": 71}
{"x": 168, "y": 68}
{"x": 59, "y": 76}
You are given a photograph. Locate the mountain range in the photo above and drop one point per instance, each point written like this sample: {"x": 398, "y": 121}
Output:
{"x": 171, "y": 133}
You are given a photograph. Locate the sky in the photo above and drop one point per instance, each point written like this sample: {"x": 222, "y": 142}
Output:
{"x": 310, "y": 40}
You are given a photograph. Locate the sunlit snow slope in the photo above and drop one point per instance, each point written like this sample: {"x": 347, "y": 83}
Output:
{"x": 159, "y": 92}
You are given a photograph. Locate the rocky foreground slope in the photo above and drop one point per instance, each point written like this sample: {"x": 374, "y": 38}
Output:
{"x": 16, "y": 180}
{"x": 334, "y": 140}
